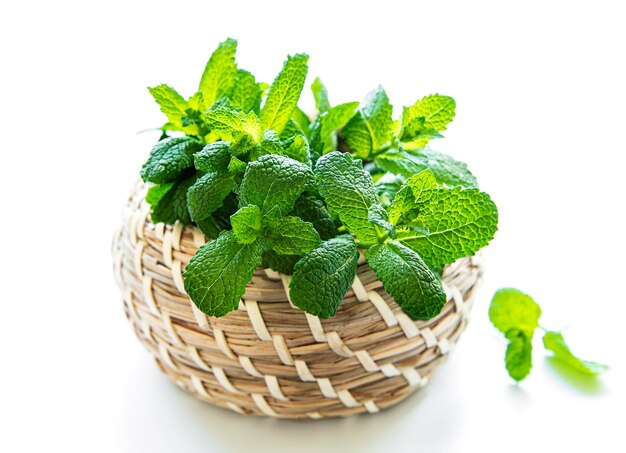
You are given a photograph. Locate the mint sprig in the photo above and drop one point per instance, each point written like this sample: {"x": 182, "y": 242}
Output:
{"x": 516, "y": 315}
{"x": 274, "y": 187}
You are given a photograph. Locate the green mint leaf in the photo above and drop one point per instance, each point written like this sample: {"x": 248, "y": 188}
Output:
{"x": 460, "y": 222}
{"x": 214, "y": 157}
{"x": 170, "y": 204}
{"x": 336, "y": 118}
{"x": 302, "y": 121}
{"x": 169, "y": 158}
{"x": 270, "y": 143}
{"x": 407, "y": 278}
{"x": 446, "y": 170}
{"x": 400, "y": 163}
{"x": 323, "y": 133}
{"x": 297, "y": 148}
{"x": 236, "y": 166}
{"x": 219, "y": 74}
{"x": 554, "y": 341}
{"x": 216, "y": 276}
{"x": 273, "y": 182}
{"x": 246, "y": 224}
{"x": 437, "y": 111}
{"x": 279, "y": 263}
{"x": 416, "y": 189}
{"x": 231, "y": 125}
{"x": 311, "y": 209}
{"x": 321, "y": 96}
{"x": 322, "y": 278}
{"x": 284, "y": 93}
{"x": 247, "y": 93}
{"x": 292, "y": 128}
{"x": 291, "y": 236}
{"x": 210, "y": 227}
{"x": 245, "y": 145}
{"x": 518, "y": 357}
{"x": 417, "y": 130}
{"x": 387, "y": 186}
{"x": 425, "y": 119}
{"x": 208, "y": 194}
{"x": 349, "y": 192}
{"x": 157, "y": 192}
{"x": 196, "y": 102}
{"x": 371, "y": 127}
{"x": 171, "y": 103}
{"x": 379, "y": 216}
{"x": 512, "y": 309}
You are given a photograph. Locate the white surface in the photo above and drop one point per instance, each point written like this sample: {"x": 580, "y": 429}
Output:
{"x": 541, "y": 101}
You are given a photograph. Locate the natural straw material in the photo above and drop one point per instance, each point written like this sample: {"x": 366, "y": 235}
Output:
{"x": 268, "y": 357}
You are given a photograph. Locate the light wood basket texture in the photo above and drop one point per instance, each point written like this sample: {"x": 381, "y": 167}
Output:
{"x": 268, "y": 357}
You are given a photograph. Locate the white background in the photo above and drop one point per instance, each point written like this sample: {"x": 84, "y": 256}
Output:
{"x": 540, "y": 88}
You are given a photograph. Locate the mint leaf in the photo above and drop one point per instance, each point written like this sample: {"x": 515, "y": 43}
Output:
{"x": 273, "y": 182}
{"x": 169, "y": 158}
{"x": 379, "y": 217}
{"x": 554, "y": 341}
{"x": 208, "y": 194}
{"x": 214, "y": 157}
{"x": 512, "y": 309}
{"x": 298, "y": 148}
{"x": 284, "y": 93}
{"x": 416, "y": 129}
{"x": 216, "y": 277}
{"x": 271, "y": 143}
{"x": 370, "y": 128}
{"x": 219, "y": 74}
{"x": 323, "y": 277}
{"x": 246, "y": 224}
{"x": 437, "y": 111}
{"x": 323, "y": 135}
{"x": 230, "y": 124}
{"x": 460, "y": 222}
{"x": 157, "y": 192}
{"x": 196, "y": 102}
{"x": 425, "y": 119}
{"x": 236, "y": 166}
{"x": 311, "y": 209}
{"x": 446, "y": 170}
{"x": 387, "y": 185}
{"x": 247, "y": 93}
{"x": 301, "y": 120}
{"x": 171, "y": 103}
{"x": 518, "y": 357}
{"x": 407, "y": 278}
{"x": 279, "y": 263}
{"x": 291, "y": 236}
{"x": 415, "y": 190}
{"x": 349, "y": 192}
{"x": 321, "y": 96}
{"x": 210, "y": 227}
{"x": 170, "y": 201}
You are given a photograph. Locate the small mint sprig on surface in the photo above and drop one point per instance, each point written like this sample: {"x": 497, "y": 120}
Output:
{"x": 516, "y": 315}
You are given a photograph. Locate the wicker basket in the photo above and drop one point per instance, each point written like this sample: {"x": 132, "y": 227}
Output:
{"x": 267, "y": 357}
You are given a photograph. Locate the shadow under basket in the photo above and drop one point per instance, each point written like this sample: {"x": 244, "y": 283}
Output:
{"x": 268, "y": 357}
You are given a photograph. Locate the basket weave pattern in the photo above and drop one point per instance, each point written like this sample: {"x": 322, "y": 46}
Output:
{"x": 268, "y": 357}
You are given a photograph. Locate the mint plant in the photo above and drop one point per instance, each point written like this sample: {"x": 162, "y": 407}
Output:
{"x": 306, "y": 196}
{"x": 516, "y": 315}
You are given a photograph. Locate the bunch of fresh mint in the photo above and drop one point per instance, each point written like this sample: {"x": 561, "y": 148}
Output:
{"x": 516, "y": 315}
{"x": 241, "y": 161}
